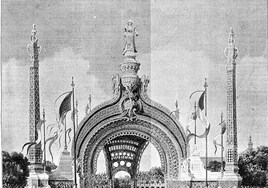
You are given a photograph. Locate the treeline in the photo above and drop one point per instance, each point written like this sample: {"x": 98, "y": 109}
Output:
{"x": 16, "y": 169}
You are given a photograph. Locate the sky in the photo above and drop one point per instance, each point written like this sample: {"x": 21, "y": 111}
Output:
{"x": 179, "y": 44}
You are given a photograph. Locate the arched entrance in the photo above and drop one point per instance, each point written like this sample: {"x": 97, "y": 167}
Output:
{"x": 123, "y": 141}
{"x": 122, "y": 128}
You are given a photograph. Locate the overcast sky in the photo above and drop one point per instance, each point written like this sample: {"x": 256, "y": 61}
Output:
{"x": 179, "y": 44}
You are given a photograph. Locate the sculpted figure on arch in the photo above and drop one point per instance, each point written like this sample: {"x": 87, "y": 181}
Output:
{"x": 129, "y": 37}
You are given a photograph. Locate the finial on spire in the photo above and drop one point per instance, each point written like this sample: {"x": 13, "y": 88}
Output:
{"x": 34, "y": 49}
{"x": 130, "y": 22}
{"x": 176, "y": 105}
{"x": 34, "y": 29}
{"x": 72, "y": 84}
{"x": 231, "y": 37}
{"x": 177, "y": 111}
{"x": 205, "y": 84}
{"x": 231, "y": 52}
{"x": 34, "y": 39}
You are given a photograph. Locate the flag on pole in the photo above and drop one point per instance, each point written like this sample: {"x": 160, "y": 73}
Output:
{"x": 223, "y": 129}
{"x": 38, "y": 139}
{"x": 65, "y": 107}
{"x": 200, "y": 111}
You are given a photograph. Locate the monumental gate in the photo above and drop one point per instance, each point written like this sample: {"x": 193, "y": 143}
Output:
{"x": 125, "y": 125}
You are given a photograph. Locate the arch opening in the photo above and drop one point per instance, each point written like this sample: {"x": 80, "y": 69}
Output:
{"x": 150, "y": 159}
{"x": 101, "y": 166}
{"x": 150, "y": 172}
{"x": 123, "y": 144}
{"x": 122, "y": 179}
{"x": 121, "y": 175}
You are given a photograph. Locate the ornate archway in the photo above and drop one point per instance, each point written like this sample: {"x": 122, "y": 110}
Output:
{"x": 123, "y": 127}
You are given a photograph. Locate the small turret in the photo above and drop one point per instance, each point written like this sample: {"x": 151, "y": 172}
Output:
{"x": 250, "y": 144}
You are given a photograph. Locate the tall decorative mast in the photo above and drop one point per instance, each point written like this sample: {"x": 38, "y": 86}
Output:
{"x": 35, "y": 153}
{"x": 231, "y": 176}
{"x": 37, "y": 176}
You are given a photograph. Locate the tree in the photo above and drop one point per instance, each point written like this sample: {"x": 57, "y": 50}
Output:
{"x": 154, "y": 173}
{"x": 15, "y": 170}
{"x": 50, "y": 166}
{"x": 215, "y": 166}
{"x": 253, "y": 167}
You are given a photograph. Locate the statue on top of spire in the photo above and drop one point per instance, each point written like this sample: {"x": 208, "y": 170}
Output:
{"x": 34, "y": 49}
{"x": 231, "y": 40}
{"x": 33, "y": 35}
{"x": 231, "y": 52}
{"x": 129, "y": 37}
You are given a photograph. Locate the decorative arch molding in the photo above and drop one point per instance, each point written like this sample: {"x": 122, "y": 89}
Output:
{"x": 111, "y": 112}
{"x": 143, "y": 129}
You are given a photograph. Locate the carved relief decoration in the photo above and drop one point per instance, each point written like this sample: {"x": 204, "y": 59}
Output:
{"x": 169, "y": 156}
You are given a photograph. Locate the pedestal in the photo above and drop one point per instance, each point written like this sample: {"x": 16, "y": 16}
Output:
{"x": 197, "y": 168}
{"x": 37, "y": 179}
{"x": 230, "y": 180}
{"x": 65, "y": 169}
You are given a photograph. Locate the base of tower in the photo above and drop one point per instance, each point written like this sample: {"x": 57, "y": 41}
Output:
{"x": 37, "y": 179}
{"x": 197, "y": 168}
{"x": 230, "y": 180}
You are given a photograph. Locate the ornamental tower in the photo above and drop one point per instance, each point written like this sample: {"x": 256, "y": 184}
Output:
{"x": 35, "y": 153}
{"x": 37, "y": 176}
{"x": 231, "y": 177}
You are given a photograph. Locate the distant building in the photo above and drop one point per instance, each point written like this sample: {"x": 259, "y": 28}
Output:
{"x": 250, "y": 144}
{"x": 250, "y": 147}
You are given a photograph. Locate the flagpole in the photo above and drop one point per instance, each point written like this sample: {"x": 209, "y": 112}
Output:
{"x": 195, "y": 116}
{"x": 205, "y": 86}
{"x": 221, "y": 146}
{"x": 75, "y": 183}
{"x": 89, "y": 102}
{"x": 76, "y": 109}
{"x": 44, "y": 128}
{"x": 65, "y": 142}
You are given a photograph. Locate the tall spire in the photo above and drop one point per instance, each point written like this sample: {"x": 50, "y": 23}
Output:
{"x": 35, "y": 154}
{"x": 37, "y": 175}
{"x": 34, "y": 49}
{"x": 231, "y": 177}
